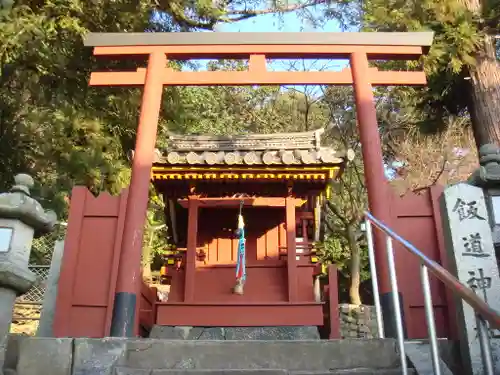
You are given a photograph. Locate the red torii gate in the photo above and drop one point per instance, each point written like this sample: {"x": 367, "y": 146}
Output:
{"x": 359, "y": 48}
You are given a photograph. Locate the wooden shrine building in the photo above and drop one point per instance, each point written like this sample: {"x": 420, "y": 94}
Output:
{"x": 277, "y": 180}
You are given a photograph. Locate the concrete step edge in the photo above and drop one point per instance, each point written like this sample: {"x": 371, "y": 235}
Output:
{"x": 211, "y": 342}
{"x": 353, "y": 371}
{"x": 132, "y": 371}
{"x": 357, "y": 371}
{"x": 293, "y": 355}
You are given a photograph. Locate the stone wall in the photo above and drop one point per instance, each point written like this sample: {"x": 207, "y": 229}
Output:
{"x": 357, "y": 321}
{"x": 235, "y": 333}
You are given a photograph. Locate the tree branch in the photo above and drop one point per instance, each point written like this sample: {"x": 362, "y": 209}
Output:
{"x": 181, "y": 17}
{"x": 247, "y": 13}
{"x": 329, "y": 226}
{"x": 337, "y": 213}
{"x": 436, "y": 179}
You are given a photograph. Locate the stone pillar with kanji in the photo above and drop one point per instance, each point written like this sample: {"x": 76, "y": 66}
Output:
{"x": 468, "y": 223}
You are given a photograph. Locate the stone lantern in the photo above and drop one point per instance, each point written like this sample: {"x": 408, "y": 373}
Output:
{"x": 21, "y": 219}
{"x": 487, "y": 177}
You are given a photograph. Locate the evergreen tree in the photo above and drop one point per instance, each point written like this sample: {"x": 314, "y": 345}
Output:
{"x": 462, "y": 67}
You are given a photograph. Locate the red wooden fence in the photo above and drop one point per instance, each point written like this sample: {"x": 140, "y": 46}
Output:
{"x": 147, "y": 310}
{"x": 89, "y": 268}
{"x": 90, "y": 264}
{"x": 416, "y": 218}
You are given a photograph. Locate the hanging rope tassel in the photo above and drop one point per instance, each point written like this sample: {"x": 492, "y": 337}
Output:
{"x": 241, "y": 273}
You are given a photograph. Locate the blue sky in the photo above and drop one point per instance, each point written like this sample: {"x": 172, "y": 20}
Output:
{"x": 289, "y": 22}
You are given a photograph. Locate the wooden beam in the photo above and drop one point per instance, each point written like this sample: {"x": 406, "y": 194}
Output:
{"x": 257, "y": 77}
{"x": 248, "y": 202}
{"x": 333, "y": 305}
{"x": 317, "y": 218}
{"x": 279, "y": 168}
{"x": 192, "y": 239}
{"x": 306, "y": 215}
{"x": 173, "y": 219}
{"x": 238, "y": 314}
{"x": 291, "y": 242}
{"x": 277, "y": 51}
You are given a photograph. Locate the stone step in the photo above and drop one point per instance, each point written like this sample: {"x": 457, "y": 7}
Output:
{"x": 81, "y": 356}
{"x": 315, "y": 355}
{"x": 131, "y": 371}
{"x": 356, "y": 371}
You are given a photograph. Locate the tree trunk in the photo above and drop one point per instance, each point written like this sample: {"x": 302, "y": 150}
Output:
{"x": 484, "y": 104}
{"x": 354, "y": 266}
{"x": 485, "y": 95}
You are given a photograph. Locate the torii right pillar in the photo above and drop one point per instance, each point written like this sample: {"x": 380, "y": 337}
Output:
{"x": 377, "y": 186}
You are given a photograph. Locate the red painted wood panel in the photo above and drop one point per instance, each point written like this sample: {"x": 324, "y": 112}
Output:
{"x": 333, "y": 303}
{"x": 266, "y": 282}
{"x": 178, "y": 281}
{"x": 147, "y": 308}
{"x": 272, "y": 242}
{"x": 246, "y": 315}
{"x": 94, "y": 262}
{"x": 85, "y": 321}
{"x": 216, "y": 234}
{"x": 416, "y": 218}
{"x": 263, "y": 285}
{"x": 90, "y": 262}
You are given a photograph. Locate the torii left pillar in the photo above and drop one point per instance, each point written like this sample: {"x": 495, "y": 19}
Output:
{"x": 129, "y": 273}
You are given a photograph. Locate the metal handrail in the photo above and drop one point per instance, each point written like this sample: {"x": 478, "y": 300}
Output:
{"x": 484, "y": 313}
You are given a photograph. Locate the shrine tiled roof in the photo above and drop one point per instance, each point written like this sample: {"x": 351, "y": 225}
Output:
{"x": 302, "y": 148}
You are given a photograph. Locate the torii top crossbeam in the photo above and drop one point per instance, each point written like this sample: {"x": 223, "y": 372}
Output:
{"x": 273, "y": 44}
{"x": 257, "y": 47}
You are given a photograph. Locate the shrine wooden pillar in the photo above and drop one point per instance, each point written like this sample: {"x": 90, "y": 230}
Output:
{"x": 129, "y": 277}
{"x": 291, "y": 243}
{"x": 375, "y": 179}
{"x": 192, "y": 238}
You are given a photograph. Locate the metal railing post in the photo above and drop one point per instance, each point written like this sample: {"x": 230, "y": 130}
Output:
{"x": 429, "y": 317}
{"x": 485, "y": 345}
{"x": 485, "y": 314}
{"x": 397, "y": 306}
{"x": 373, "y": 270}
